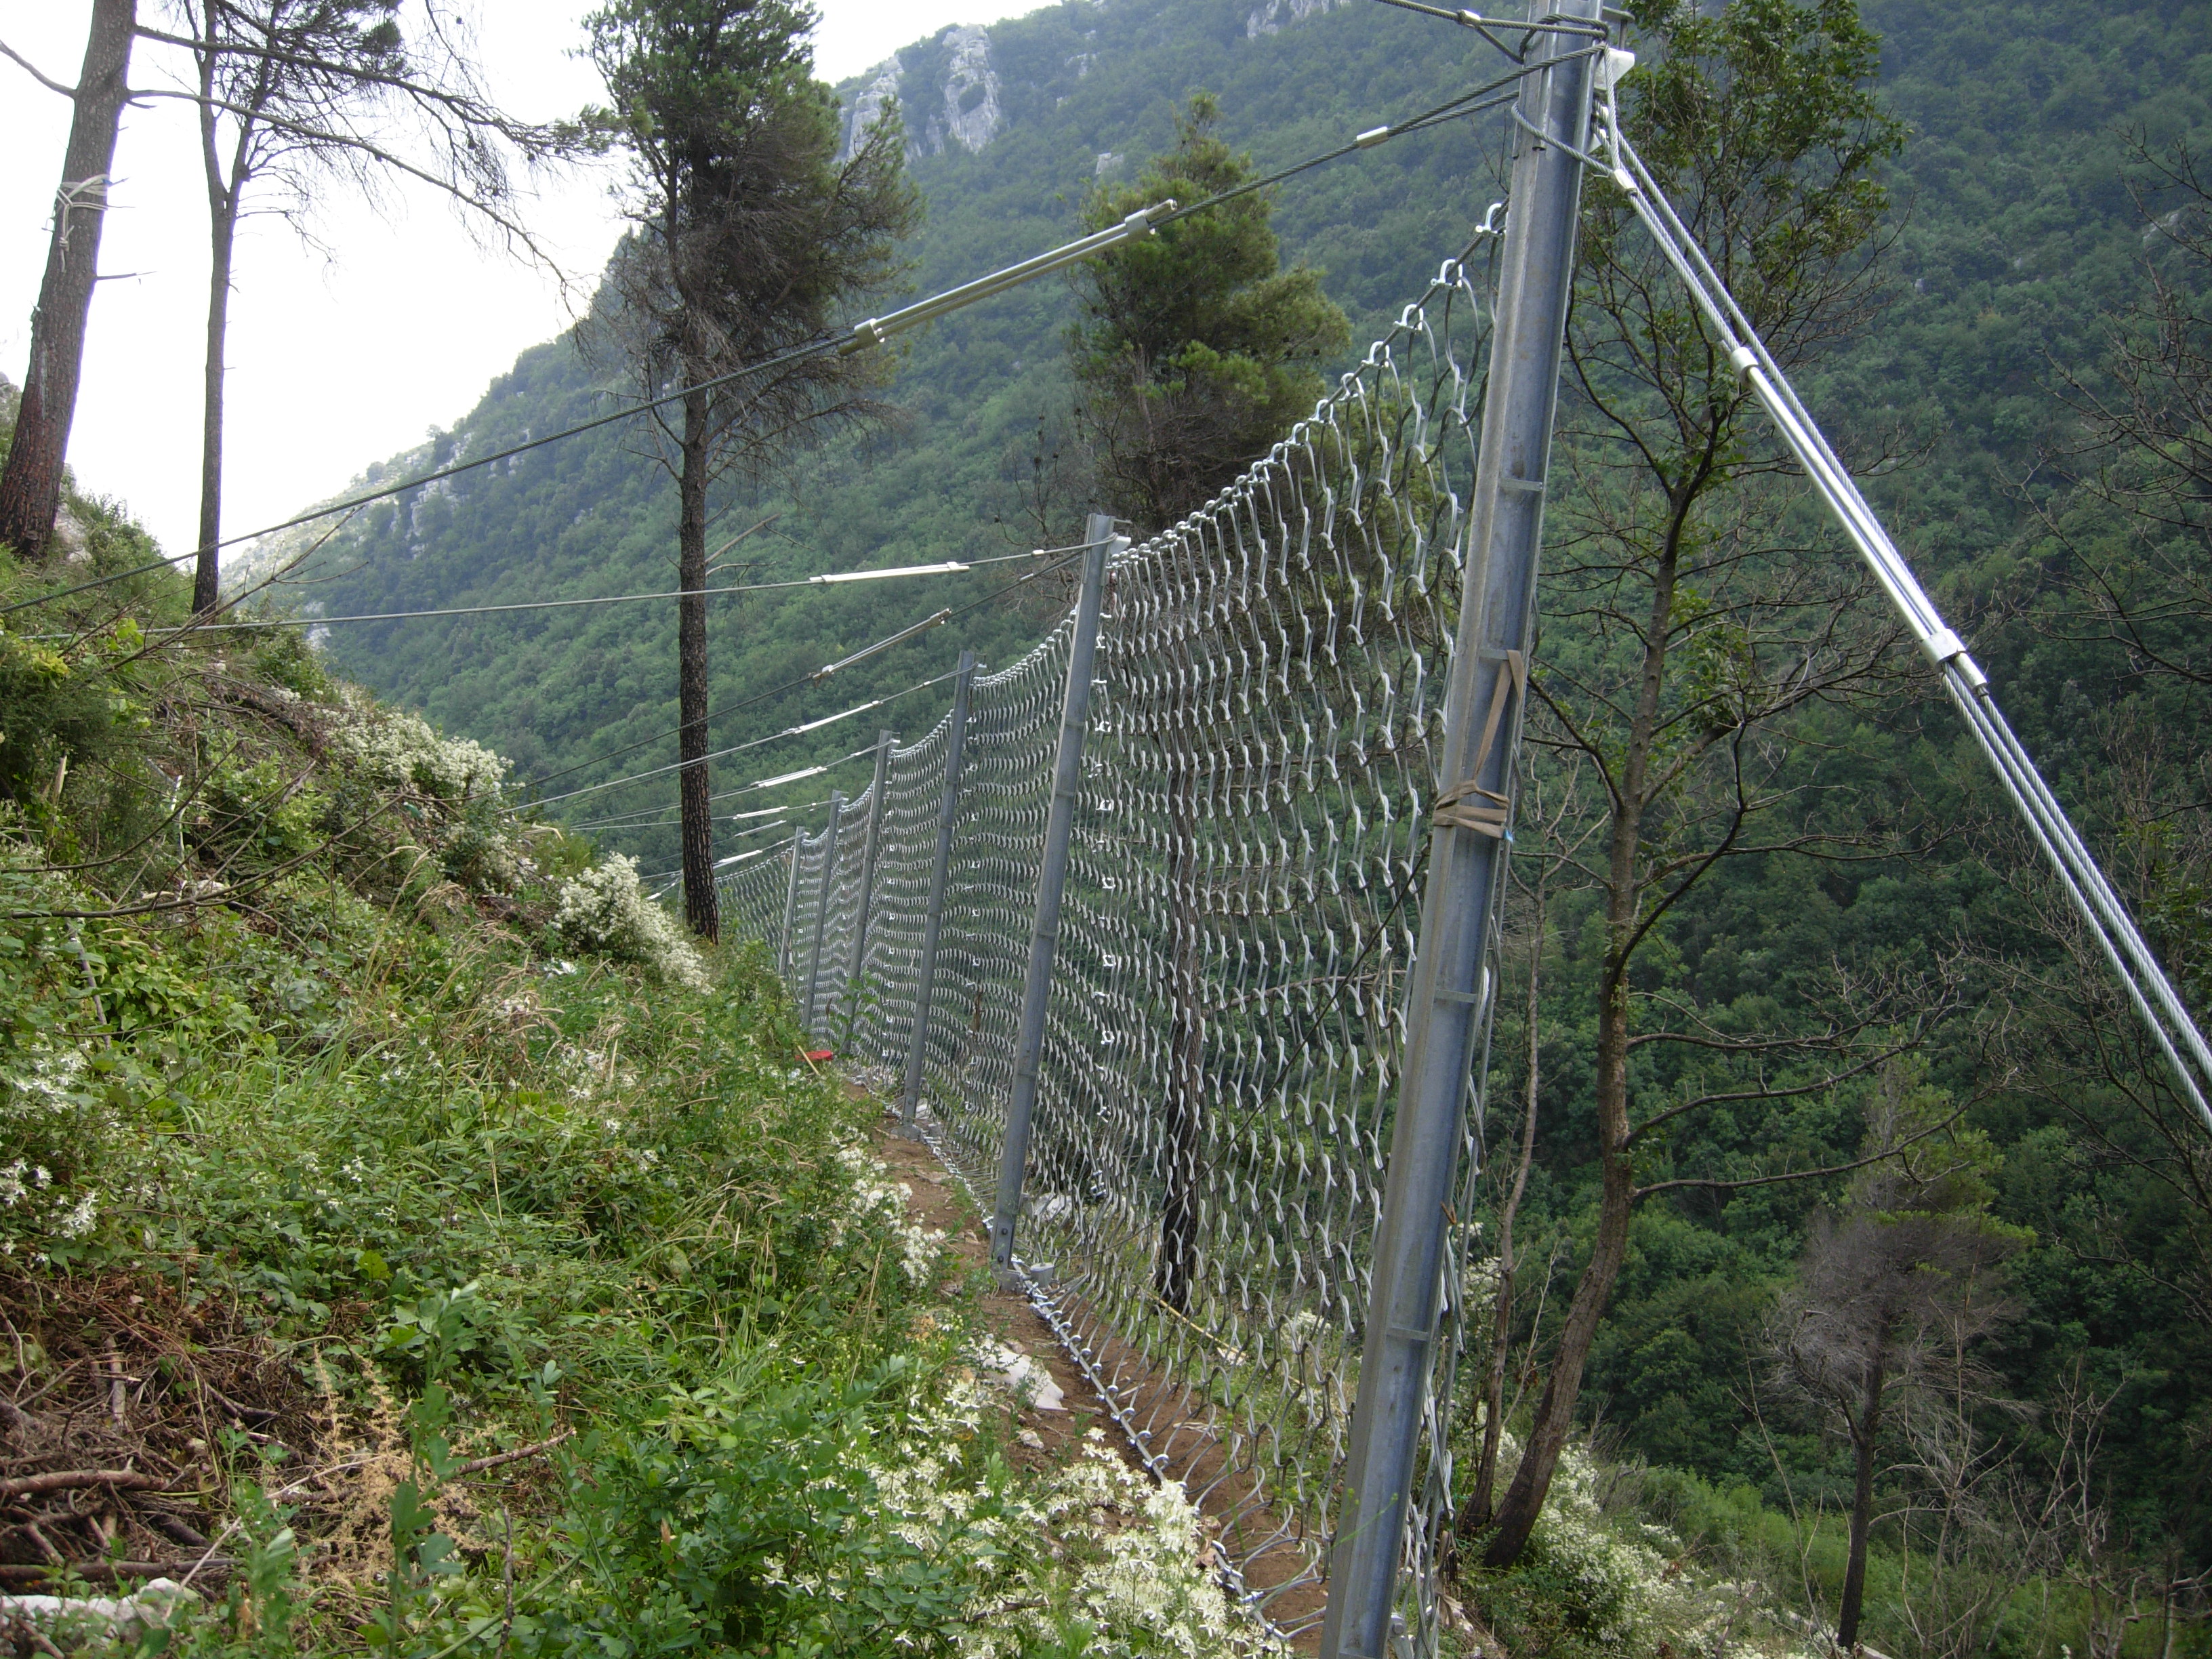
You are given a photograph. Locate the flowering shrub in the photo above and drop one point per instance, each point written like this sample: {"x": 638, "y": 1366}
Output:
{"x": 1096, "y": 1553}
{"x": 604, "y": 910}
{"x": 53, "y": 1120}
{"x": 875, "y": 1197}
{"x": 478, "y": 843}
{"x": 785, "y": 1510}
{"x": 401, "y": 750}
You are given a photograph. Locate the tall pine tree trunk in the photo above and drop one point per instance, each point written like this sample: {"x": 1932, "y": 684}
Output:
{"x": 694, "y": 781}
{"x": 1866, "y": 1432}
{"x": 31, "y": 484}
{"x": 207, "y": 574}
{"x": 1625, "y": 873}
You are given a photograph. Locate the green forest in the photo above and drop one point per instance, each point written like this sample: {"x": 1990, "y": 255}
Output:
{"x": 1884, "y": 963}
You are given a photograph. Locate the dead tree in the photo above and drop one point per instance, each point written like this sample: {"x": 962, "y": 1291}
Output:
{"x": 1896, "y": 1285}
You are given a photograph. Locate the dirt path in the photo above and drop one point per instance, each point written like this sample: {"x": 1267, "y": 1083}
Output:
{"x": 938, "y": 1200}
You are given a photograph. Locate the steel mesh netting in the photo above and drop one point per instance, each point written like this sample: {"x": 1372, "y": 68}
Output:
{"x": 808, "y": 855}
{"x": 1225, "y": 1024}
{"x": 990, "y": 903}
{"x": 887, "y": 958}
{"x": 831, "y": 912}
{"x": 753, "y": 897}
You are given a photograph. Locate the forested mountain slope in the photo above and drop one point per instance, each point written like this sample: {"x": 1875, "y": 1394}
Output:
{"x": 2016, "y": 231}
{"x": 2017, "y": 235}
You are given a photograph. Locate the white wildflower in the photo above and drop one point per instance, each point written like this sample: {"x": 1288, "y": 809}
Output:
{"x": 76, "y": 1221}
{"x": 402, "y": 751}
{"x": 605, "y": 909}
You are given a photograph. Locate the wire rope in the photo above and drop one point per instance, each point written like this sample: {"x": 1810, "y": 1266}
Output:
{"x": 828, "y": 578}
{"x": 734, "y": 749}
{"x": 872, "y": 332}
{"x": 792, "y": 685}
{"x": 2141, "y": 977}
{"x": 621, "y": 820}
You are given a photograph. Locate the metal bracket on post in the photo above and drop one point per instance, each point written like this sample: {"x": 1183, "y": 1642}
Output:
{"x": 784, "y": 958}
{"x": 820, "y": 910}
{"x": 858, "y": 957}
{"x": 948, "y": 814}
{"x": 1052, "y": 880}
{"x": 1451, "y": 996}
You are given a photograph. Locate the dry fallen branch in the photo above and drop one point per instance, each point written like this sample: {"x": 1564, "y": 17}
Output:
{"x": 69, "y": 1480}
{"x": 479, "y": 1465}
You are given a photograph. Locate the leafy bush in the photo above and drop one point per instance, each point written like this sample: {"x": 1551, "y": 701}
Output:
{"x": 1598, "y": 1578}
{"x": 398, "y": 750}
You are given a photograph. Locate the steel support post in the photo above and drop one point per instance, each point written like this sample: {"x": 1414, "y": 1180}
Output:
{"x": 821, "y": 909}
{"x": 1454, "y": 982}
{"x": 857, "y": 958}
{"x": 1052, "y": 880}
{"x": 784, "y": 958}
{"x": 948, "y": 814}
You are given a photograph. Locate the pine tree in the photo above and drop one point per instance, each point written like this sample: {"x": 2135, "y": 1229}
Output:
{"x": 1193, "y": 350}
{"x": 751, "y": 237}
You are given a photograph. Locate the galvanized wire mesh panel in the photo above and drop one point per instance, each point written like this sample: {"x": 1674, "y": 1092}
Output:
{"x": 906, "y": 856}
{"x": 991, "y": 900}
{"x": 753, "y": 895}
{"x": 832, "y": 911}
{"x": 803, "y": 903}
{"x": 1224, "y": 1035}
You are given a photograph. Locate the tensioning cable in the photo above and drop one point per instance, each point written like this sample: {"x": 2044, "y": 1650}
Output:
{"x": 874, "y": 331}
{"x": 822, "y": 673}
{"x": 2140, "y": 974}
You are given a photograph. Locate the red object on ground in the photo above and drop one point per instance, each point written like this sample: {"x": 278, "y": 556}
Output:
{"x": 817, "y": 1055}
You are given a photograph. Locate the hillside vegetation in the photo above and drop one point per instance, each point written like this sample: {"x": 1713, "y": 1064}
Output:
{"x": 410, "y": 1241}
{"x": 2016, "y": 233}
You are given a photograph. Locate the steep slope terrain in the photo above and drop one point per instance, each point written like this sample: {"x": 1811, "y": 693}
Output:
{"x": 2017, "y": 235}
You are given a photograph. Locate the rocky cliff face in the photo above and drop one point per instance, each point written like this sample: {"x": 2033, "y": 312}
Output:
{"x": 948, "y": 87}
{"x": 958, "y": 104}
{"x": 1269, "y": 17}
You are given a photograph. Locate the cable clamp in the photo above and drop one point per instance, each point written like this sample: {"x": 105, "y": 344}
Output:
{"x": 865, "y": 334}
{"x": 1454, "y": 813}
{"x": 1543, "y": 138}
{"x": 1744, "y": 358}
{"x": 1947, "y": 651}
{"x": 1140, "y": 223}
{"x": 1944, "y": 645}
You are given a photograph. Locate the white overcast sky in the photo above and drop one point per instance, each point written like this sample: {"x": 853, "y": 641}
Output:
{"x": 335, "y": 360}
